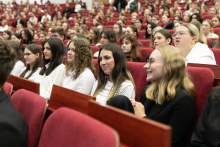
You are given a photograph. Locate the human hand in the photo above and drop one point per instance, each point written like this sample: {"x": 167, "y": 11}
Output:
{"x": 133, "y": 102}
{"x": 139, "y": 109}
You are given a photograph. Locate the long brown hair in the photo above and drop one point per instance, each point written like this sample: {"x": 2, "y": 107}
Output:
{"x": 135, "y": 51}
{"x": 83, "y": 57}
{"x": 96, "y": 33}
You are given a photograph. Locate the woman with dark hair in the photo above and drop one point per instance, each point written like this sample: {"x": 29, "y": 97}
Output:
{"x": 149, "y": 29}
{"x": 207, "y": 131}
{"x": 118, "y": 30}
{"x": 80, "y": 70}
{"x": 133, "y": 30}
{"x": 6, "y": 35}
{"x": 17, "y": 37}
{"x": 53, "y": 68}
{"x": 169, "y": 99}
{"x": 94, "y": 36}
{"x": 27, "y": 37}
{"x": 19, "y": 65}
{"x": 196, "y": 16}
{"x": 139, "y": 23}
{"x": 42, "y": 37}
{"x": 129, "y": 45}
{"x": 114, "y": 77}
{"x": 167, "y": 13}
{"x": 170, "y": 24}
{"x": 32, "y": 57}
{"x": 151, "y": 8}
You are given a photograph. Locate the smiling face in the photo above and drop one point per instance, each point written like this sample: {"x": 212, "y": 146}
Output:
{"x": 206, "y": 27}
{"x": 107, "y": 62}
{"x": 71, "y": 53}
{"x": 30, "y": 57}
{"x": 149, "y": 30}
{"x": 155, "y": 67}
{"x": 47, "y": 51}
{"x": 186, "y": 17}
{"x": 91, "y": 34}
{"x": 160, "y": 40}
{"x": 126, "y": 46}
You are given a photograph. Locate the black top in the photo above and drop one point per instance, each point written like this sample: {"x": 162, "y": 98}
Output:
{"x": 123, "y": 4}
{"x": 140, "y": 44}
{"x": 169, "y": 25}
{"x": 207, "y": 131}
{"x": 21, "y": 22}
{"x": 213, "y": 43}
{"x": 29, "y": 42}
{"x": 178, "y": 113}
{"x": 13, "y": 128}
{"x": 133, "y": 60}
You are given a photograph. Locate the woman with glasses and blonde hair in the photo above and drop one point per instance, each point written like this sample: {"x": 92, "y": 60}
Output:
{"x": 187, "y": 40}
{"x": 169, "y": 99}
{"x": 114, "y": 77}
{"x": 80, "y": 70}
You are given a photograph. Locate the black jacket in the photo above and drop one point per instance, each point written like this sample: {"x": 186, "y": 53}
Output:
{"x": 21, "y": 22}
{"x": 207, "y": 131}
{"x": 123, "y": 4}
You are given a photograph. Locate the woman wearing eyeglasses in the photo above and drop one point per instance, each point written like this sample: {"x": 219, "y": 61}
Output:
{"x": 32, "y": 57}
{"x": 186, "y": 39}
{"x": 169, "y": 99}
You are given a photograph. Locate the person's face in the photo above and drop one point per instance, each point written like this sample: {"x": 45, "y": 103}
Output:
{"x": 13, "y": 37}
{"x": 149, "y": 8}
{"x": 178, "y": 13}
{"x": 138, "y": 24}
{"x": 186, "y": 17}
{"x": 81, "y": 30}
{"x": 176, "y": 19}
{"x": 104, "y": 40}
{"x": 129, "y": 31}
{"x": 149, "y": 29}
{"x": 42, "y": 37}
{"x": 49, "y": 32}
{"x": 194, "y": 17}
{"x": 5, "y": 36}
{"x": 215, "y": 21}
{"x": 53, "y": 25}
{"x": 126, "y": 46}
{"x": 202, "y": 10}
{"x": 64, "y": 26}
{"x": 29, "y": 26}
{"x": 47, "y": 51}
{"x": 94, "y": 21}
{"x": 72, "y": 33}
{"x": 155, "y": 67}
{"x": 154, "y": 20}
{"x": 91, "y": 34}
{"x": 212, "y": 11}
{"x": 176, "y": 25}
{"x": 160, "y": 40}
{"x": 116, "y": 29}
{"x": 81, "y": 21}
{"x": 134, "y": 18}
{"x": 164, "y": 19}
{"x": 206, "y": 27}
{"x": 217, "y": 5}
{"x": 195, "y": 11}
{"x": 18, "y": 17}
{"x": 23, "y": 35}
{"x": 76, "y": 25}
{"x": 183, "y": 38}
{"x": 59, "y": 23}
{"x": 71, "y": 53}
{"x": 166, "y": 13}
{"x": 30, "y": 57}
{"x": 107, "y": 62}
{"x": 161, "y": 12}
{"x": 148, "y": 17}
{"x": 57, "y": 35}
{"x": 100, "y": 28}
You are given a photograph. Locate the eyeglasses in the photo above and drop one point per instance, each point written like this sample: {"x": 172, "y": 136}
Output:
{"x": 150, "y": 61}
{"x": 179, "y": 34}
{"x": 27, "y": 54}
{"x": 55, "y": 36}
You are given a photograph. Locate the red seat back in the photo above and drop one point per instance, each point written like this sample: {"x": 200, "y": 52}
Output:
{"x": 216, "y": 30}
{"x": 94, "y": 49}
{"x": 209, "y": 41}
{"x": 204, "y": 17}
{"x": 110, "y": 22}
{"x": 145, "y": 51}
{"x": 216, "y": 53}
{"x": 145, "y": 42}
{"x": 32, "y": 106}
{"x": 76, "y": 129}
{"x": 141, "y": 34}
{"x": 8, "y": 88}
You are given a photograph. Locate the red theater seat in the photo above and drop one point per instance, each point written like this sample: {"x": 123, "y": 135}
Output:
{"x": 66, "y": 127}
{"x": 204, "y": 17}
{"x": 209, "y": 41}
{"x": 145, "y": 51}
{"x": 141, "y": 34}
{"x": 145, "y": 42}
{"x": 8, "y": 88}
{"x": 216, "y": 53}
{"x": 94, "y": 49}
{"x": 216, "y": 30}
{"x": 32, "y": 106}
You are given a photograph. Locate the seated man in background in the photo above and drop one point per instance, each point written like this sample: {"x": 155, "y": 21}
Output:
{"x": 13, "y": 128}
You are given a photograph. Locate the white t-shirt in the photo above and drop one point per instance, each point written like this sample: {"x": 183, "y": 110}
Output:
{"x": 200, "y": 54}
{"x": 126, "y": 89}
{"x": 212, "y": 35}
{"x": 77, "y": 8}
{"x": 48, "y": 16}
{"x": 46, "y": 82}
{"x": 17, "y": 68}
{"x": 83, "y": 83}
{"x": 33, "y": 76}
{"x": 3, "y": 28}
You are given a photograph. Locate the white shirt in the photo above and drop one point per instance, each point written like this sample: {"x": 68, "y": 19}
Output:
{"x": 33, "y": 19}
{"x": 83, "y": 83}
{"x": 200, "y": 54}
{"x": 96, "y": 54}
{"x": 33, "y": 76}
{"x": 126, "y": 89}
{"x": 212, "y": 35}
{"x": 77, "y": 8}
{"x": 17, "y": 68}
{"x": 48, "y": 16}
{"x": 3, "y": 28}
{"x": 46, "y": 82}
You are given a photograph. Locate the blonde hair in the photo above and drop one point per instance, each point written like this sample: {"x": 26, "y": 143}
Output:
{"x": 210, "y": 23}
{"x": 152, "y": 35}
{"x": 202, "y": 38}
{"x": 193, "y": 30}
{"x": 174, "y": 78}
